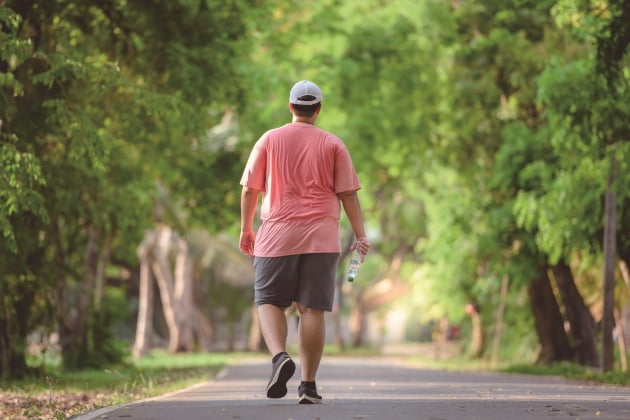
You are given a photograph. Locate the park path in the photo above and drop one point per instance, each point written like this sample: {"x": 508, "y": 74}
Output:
{"x": 382, "y": 389}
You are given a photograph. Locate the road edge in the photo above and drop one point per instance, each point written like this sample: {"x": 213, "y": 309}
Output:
{"x": 100, "y": 412}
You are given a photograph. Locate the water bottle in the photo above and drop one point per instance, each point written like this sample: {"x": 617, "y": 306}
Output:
{"x": 355, "y": 264}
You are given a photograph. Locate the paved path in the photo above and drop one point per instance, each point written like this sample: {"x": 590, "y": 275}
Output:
{"x": 382, "y": 389}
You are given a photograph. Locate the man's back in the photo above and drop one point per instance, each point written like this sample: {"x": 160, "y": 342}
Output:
{"x": 300, "y": 168}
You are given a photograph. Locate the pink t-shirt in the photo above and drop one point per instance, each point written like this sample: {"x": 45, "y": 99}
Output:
{"x": 299, "y": 168}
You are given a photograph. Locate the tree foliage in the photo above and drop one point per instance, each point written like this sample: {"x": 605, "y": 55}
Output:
{"x": 103, "y": 102}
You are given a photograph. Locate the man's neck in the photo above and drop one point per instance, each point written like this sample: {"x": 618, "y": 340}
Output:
{"x": 307, "y": 120}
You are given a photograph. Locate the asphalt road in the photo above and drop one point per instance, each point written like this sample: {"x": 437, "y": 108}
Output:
{"x": 382, "y": 389}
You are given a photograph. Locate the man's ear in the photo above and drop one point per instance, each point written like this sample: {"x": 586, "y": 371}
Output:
{"x": 291, "y": 107}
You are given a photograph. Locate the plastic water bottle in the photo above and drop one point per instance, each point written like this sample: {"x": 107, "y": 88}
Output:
{"x": 355, "y": 264}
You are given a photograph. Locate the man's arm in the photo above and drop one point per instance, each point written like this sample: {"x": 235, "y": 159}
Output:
{"x": 249, "y": 201}
{"x": 352, "y": 207}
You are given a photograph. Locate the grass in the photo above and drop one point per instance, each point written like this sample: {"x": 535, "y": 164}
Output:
{"x": 59, "y": 395}
{"x": 158, "y": 369}
{"x": 335, "y": 350}
{"x": 573, "y": 371}
{"x": 453, "y": 363}
{"x": 566, "y": 370}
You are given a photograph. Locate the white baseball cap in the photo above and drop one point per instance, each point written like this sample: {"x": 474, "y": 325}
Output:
{"x": 305, "y": 92}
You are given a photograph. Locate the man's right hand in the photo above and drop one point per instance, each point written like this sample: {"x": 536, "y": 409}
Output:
{"x": 363, "y": 243}
{"x": 246, "y": 243}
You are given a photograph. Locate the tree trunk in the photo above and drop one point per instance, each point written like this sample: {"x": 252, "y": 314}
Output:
{"x": 231, "y": 336}
{"x": 254, "y": 340}
{"x": 6, "y": 351}
{"x": 336, "y": 315}
{"x": 623, "y": 252}
{"x": 610, "y": 233}
{"x": 144, "y": 328}
{"x": 621, "y": 340}
{"x": 625, "y": 273}
{"x": 578, "y": 314}
{"x": 104, "y": 256}
{"x": 166, "y": 284}
{"x": 498, "y": 331}
{"x": 440, "y": 337}
{"x": 74, "y": 326}
{"x": 184, "y": 321}
{"x": 13, "y": 332}
{"x": 478, "y": 336}
{"x": 554, "y": 344}
{"x": 202, "y": 330}
{"x": 357, "y": 326}
{"x": 184, "y": 295}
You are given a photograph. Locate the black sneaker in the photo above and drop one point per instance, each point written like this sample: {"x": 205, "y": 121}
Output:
{"x": 307, "y": 392}
{"x": 282, "y": 370}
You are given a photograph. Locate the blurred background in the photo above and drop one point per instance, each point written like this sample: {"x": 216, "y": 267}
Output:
{"x": 491, "y": 138}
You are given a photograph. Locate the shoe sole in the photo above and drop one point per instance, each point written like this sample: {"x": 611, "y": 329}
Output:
{"x": 278, "y": 386}
{"x": 305, "y": 399}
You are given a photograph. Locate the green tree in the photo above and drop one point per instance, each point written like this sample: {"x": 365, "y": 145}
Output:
{"x": 495, "y": 135}
{"x": 101, "y": 101}
{"x": 589, "y": 134}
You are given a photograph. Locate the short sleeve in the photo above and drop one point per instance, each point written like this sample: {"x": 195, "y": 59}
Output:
{"x": 346, "y": 178}
{"x": 255, "y": 170}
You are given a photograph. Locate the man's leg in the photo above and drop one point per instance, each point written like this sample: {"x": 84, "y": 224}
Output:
{"x": 312, "y": 335}
{"x": 273, "y": 324}
{"x": 316, "y": 290}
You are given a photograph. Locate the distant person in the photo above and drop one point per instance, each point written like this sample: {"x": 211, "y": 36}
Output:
{"x": 303, "y": 172}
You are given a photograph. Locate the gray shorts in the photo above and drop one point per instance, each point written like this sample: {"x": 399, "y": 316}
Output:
{"x": 308, "y": 279}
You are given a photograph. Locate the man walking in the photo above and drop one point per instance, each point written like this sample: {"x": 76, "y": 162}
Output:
{"x": 304, "y": 173}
